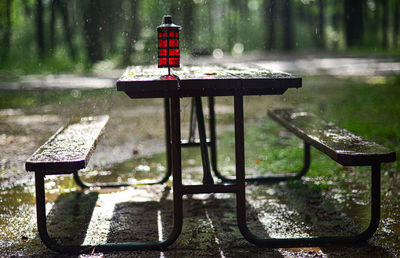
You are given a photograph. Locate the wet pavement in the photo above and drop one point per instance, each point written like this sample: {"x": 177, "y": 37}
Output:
{"x": 132, "y": 150}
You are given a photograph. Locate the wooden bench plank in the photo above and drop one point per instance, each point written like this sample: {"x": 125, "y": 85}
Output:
{"x": 70, "y": 148}
{"x": 340, "y": 144}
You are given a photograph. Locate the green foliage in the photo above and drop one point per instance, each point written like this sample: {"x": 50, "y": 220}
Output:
{"x": 217, "y": 24}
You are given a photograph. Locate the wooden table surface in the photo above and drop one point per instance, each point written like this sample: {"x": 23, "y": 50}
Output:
{"x": 210, "y": 80}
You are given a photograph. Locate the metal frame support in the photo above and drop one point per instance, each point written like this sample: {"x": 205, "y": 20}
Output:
{"x": 207, "y": 177}
{"x": 238, "y": 188}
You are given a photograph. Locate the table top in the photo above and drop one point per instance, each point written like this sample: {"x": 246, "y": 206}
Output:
{"x": 208, "y": 80}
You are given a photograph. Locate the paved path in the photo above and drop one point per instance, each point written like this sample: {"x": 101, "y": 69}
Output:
{"x": 301, "y": 65}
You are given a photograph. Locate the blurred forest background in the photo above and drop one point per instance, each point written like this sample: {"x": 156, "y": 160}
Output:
{"x": 72, "y": 35}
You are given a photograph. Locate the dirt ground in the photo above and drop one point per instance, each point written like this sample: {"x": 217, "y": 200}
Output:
{"x": 132, "y": 149}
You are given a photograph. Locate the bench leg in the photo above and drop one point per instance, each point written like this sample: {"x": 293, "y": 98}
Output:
{"x": 315, "y": 241}
{"x": 128, "y": 246}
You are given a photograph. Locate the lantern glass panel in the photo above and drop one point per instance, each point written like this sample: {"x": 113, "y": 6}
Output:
{"x": 163, "y": 52}
{"x": 162, "y": 61}
{"x": 174, "y": 61}
{"x": 174, "y": 52}
{"x": 173, "y": 43}
{"x": 162, "y": 43}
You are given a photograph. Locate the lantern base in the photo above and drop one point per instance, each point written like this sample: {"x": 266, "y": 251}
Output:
{"x": 169, "y": 77}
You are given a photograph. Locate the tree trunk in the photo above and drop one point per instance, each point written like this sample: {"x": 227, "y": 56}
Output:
{"x": 53, "y": 6}
{"x": 321, "y": 25}
{"x": 270, "y": 12}
{"x": 111, "y": 9}
{"x": 92, "y": 32}
{"x": 211, "y": 6}
{"x": 39, "y": 29}
{"x": 353, "y": 22}
{"x": 6, "y": 39}
{"x": 396, "y": 21}
{"x": 385, "y": 23}
{"x": 188, "y": 12}
{"x": 63, "y": 7}
{"x": 287, "y": 25}
{"x": 132, "y": 34}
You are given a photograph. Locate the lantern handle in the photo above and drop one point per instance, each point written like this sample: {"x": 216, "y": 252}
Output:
{"x": 167, "y": 19}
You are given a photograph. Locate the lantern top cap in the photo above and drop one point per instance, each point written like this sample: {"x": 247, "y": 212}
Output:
{"x": 167, "y": 23}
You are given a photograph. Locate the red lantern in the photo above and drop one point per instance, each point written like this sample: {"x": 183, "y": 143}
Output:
{"x": 168, "y": 43}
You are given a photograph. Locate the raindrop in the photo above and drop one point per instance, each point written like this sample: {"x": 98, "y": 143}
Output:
{"x": 100, "y": 28}
{"x": 139, "y": 46}
{"x": 198, "y": 1}
{"x": 253, "y": 5}
{"x": 145, "y": 168}
{"x": 238, "y": 49}
{"x": 218, "y": 53}
{"x": 76, "y": 93}
{"x": 371, "y": 5}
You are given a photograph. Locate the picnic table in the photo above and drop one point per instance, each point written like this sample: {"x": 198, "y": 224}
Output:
{"x": 71, "y": 147}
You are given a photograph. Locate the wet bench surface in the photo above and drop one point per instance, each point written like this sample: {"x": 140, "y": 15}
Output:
{"x": 70, "y": 148}
{"x": 341, "y": 145}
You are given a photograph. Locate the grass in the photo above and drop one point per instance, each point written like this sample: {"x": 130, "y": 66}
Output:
{"x": 35, "y": 98}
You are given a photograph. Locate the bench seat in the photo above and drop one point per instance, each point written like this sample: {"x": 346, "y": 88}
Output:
{"x": 70, "y": 148}
{"x": 340, "y": 144}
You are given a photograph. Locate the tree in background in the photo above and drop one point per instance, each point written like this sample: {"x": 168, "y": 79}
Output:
{"x": 353, "y": 14}
{"x": 270, "y": 15}
{"x": 72, "y": 31}
{"x": 63, "y": 8}
{"x": 92, "y": 29}
{"x": 321, "y": 25}
{"x": 396, "y": 21}
{"x": 40, "y": 29}
{"x": 287, "y": 25}
{"x": 385, "y": 23}
{"x": 188, "y": 28}
{"x": 5, "y": 29}
{"x": 132, "y": 33}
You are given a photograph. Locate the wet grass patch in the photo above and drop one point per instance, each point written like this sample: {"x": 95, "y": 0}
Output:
{"x": 40, "y": 97}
